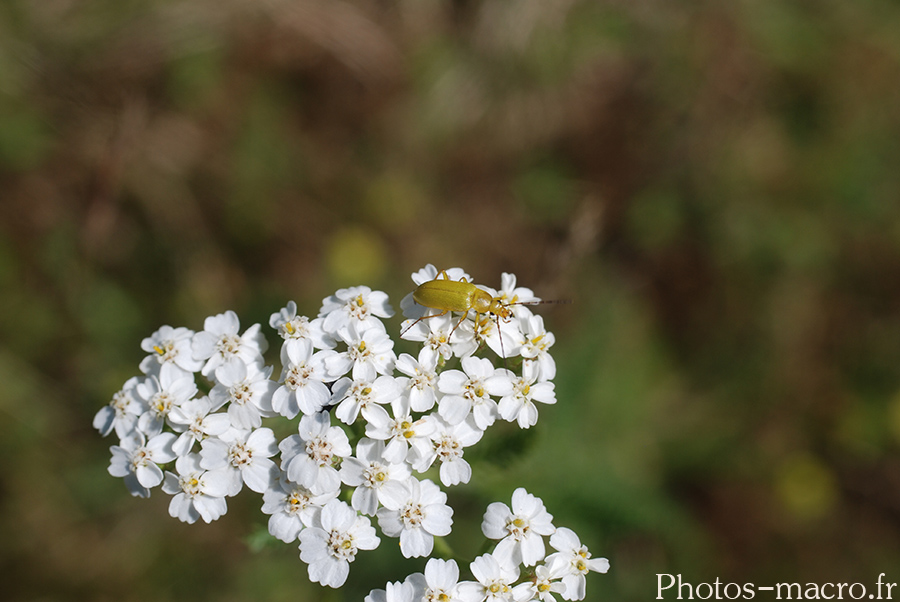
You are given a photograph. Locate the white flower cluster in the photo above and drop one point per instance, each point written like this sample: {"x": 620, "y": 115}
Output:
{"x": 212, "y": 390}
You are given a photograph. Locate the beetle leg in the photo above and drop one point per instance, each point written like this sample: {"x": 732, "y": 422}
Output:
{"x": 464, "y": 316}
{"x": 405, "y": 330}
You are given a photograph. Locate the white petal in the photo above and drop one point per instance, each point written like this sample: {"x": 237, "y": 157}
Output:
{"x": 303, "y": 470}
{"x": 182, "y": 508}
{"x": 210, "y": 508}
{"x": 532, "y": 549}
{"x": 259, "y": 475}
{"x": 149, "y": 475}
{"x": 454, "y": 409}
{"x": 439, "y": 520}
{"x": 415, "y": 543}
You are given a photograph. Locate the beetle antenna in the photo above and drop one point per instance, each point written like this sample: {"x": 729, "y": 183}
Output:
{"x": 543, "y": 302}
{"x": 500, "y": 336}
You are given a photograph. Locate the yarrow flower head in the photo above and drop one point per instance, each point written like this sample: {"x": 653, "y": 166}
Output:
{"x": 291, "y": 326}
{"x": 366, "y": 396}
{"x": 573, "y": 561}
{"x": 471, "y": 391}
{"x": 518, "y": 405}
{"x": 378, "y": 433}
{"x": 407, "y": 437}
{"x": 137, "y": 460}
{"x": 374, "y": 478}
{"x": 122, "y": 412}
{"x": 409, "y": 590}
{"x": 160, "y": 396}
{"x": 415, "y": 513}
{"x": 497, "y": 579}
{"x": 195, "y": 422}
{"x": 442, "y": 581}
{"x": 421, "y": 382}
{"x": 292, "y": 507}
{"x": 307, "y": 457}
{"x": 196, "y": 492}
{"x": 169, "y": 348}
{"x": 359, "y": 305}
{"x": 331, "y": 544}
{"x": 220, "y": 344}
{"x": 434, "y": 334}
{"x": 514, "y": 296}
{"x": 303, "y": 380}
{"x": 536, "y": 347}
{"x": 243, "y": 457}
{"x": 448, "y": 442}
{"x": 369, "y": 352}
{"x": 248, "y": 392}
{"x": 520, "y": 529}
{"x": 544, "y": 584}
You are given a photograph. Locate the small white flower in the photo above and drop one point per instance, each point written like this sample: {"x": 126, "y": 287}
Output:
{"x": 442, "y": 582}
{"x": 160, "y": 395}
{"x": 519, "y": 404}
{"x": 410, "y": 590}
{"x": 291, "y": 326}
{"x": 422, "y": 379}
{"x": 495, "y": 577}
{"x": 303, "y": 377}
{"x": 401, "y": 432}
{"x": 520, "y": 529}
{"x": 195, "y": 423}
{"x": 332, "y": 543}
{"x": 573, "y": 561}
{"x": 358, "y": 305}
{"x": 247, "y": 390}
{"x": 372, "y": 475}
{"x": 464, "y": 339}
{"x": 122, "y": 412}
{"x": 470, "y": 391}
{"x": 537, "y": 342}
{"x": 514, "y": 296}
{"x": 137, "y": 461}
{"x": 355, "y": 396}
{"x": 243, "y": 456}
{"x": 219, "y": 343}
{"x": 198, "y": 493}
{"x": 169, "y": 348}
{"x": 292, "y": 507}
{"x": 544, "y": 584}
{"x": 369, "y": 353}
{"x": 434, "y": 333}
{"x": 307, "y": 457}
{"x": 447, "y": 444}
{"x": 416, "y": 513}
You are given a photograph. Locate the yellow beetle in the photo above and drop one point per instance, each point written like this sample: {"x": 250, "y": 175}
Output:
{"x": 448, "y": 295}
{"x": 458, "y": 295}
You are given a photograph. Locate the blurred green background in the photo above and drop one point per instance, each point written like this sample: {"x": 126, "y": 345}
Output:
{"x": 714, "y": 185}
